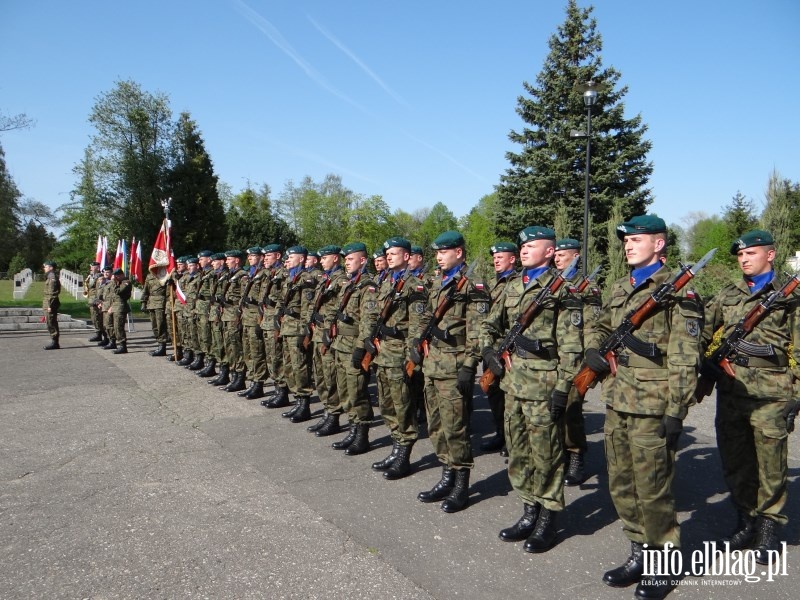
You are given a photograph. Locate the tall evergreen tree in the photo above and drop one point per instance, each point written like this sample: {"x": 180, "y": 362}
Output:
{"x": 9, "y": 214}
{"x": 781, "y": 215}
{"x": 250, "y": 221}
{"x": 739, "y": 216}
{"x": 550, "y": 167}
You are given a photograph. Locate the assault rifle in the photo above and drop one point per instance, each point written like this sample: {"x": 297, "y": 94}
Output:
{"x": 282, "y": 309}
{"x": 244, "y": 299}
{"x": 312, "y": 320}
{"x": 333, "y": 330}
{"x": 265, "y": 295}
{"x": 525, "y": 319}
{"x": 377, "y": 333}
{"x": 422, "y": 348}
{"x": 587, "y": 279}
{"x": 734, "y": 343}
{"x": 623, "y": 336}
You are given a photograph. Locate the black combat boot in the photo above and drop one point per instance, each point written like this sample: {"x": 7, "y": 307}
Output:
{"x": 348, "y": 439}
{"x": 360, "y": 444}
{"x": 188, "y": 358}
{"x": 655, "y": 587}
{"x": 96, "y": 337}
{"x": 295, "y": 407}
{"x": 320, "y": 422}
{"x": 574, "y": 474}
{"x": 401, "y": 466}
{"x": 237, "y": 383}
{"x": 178, "y": 356}
{"x": 111, "y": 345}
{"x": 209, "y": 370}
{"x": 522, "y": 529}
{"x": 767, "y": 544}
{"x": 122, "y": 349}
{"x": 256, "y": 391}
{"x": 494, "y": 443}
{"x": 745, "y": 532}
{"x": 198, "y": 362}
{"x": 303, "y": 413}
{"x": 161, "y": 350}
{"x": 279, "y": 400}
{"x": 53, "y": 345}
{"x": 459, "y": 496}
{"x": 384, "y": 464}
{"x": 223, "y": 378}
{"x": 330, "y": 427}
{"x": 630, "y": 572}
{"x": 442, "y": 489}
{"x": 103, "y": 340}
{"x": 244, "y": 393}
{"x": 544, "y": 535}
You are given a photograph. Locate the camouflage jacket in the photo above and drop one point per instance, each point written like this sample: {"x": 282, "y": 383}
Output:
{"x": 217, "y": 286}
{"x": 583, "y": 307}
{"x": 251, "y": 294}
{"x": 191, "y": 287}
{"x": 298, "y": 293}
{"x": 348, "y": 323}
{"x": 327, "y": 294}
{"x": 231, "y": 294}
{"x": 270, "y": 296}
{"x": 154, "y": 293}
{"x": 104, "y": 288}
{"x": 456, "y": 339}
{"x": 90, "y": 286}
{"x": 205, "y": 291}
{"x": 665, "y": 384}
{"x": 768, "y": 378}
{"x": 119, "y": 295}
{"x": 52, "y": 288}
{"x": 405, "y": 314}
{"x": 552, "y": 332}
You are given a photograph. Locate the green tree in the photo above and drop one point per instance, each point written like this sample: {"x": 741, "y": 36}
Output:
{"x": 370, "y": 222}
{"x": 438, "y": 220}
{"x": 251, "y": 222}
{"x": 739, "y": 216}
{"x": 550, "y": 167}
{"x": 17, "y": 264}
{"x": 781, "y": 215}
{"x": 191, "y": 183}
{"x": 9, "y": 214}
{"x": 478, "y": 230}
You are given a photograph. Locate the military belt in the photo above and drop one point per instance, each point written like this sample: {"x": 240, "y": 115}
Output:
{"x": 318, "y": 318}
{"x": 548, "y": 353}
{"x": 392, "y": 332}
{"x": 742, "y": 360}
{"x": 452, "y": 341}
{"x": 343, "y": 317}
{"x": 291, "y": 313}
{"x": 270, "y": 302}
{"x": 640, "y": 362}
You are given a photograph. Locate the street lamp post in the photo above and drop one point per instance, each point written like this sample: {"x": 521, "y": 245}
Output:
{"x": 589, "y": 90}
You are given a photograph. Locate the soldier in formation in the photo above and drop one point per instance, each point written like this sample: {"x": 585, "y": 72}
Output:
{"x": 51, "y": 303}
{"x": 90, "y": 291}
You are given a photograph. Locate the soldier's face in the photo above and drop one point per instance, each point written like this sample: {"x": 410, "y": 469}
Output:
{"x": 643, "y": 249}
{"x": 562, "y": 258}
{"x": 311, "y": 261}
{"x": 47, "y": 268}
{"x": 253, "y": 259}
{"x": 503, "y": 261}
{"x": 204, "y": 260}
{"x": 232, "y": 262}
{"x": 217, "y": 263}
{"x": 181, "y": 267}
{"x": 756, "y": 260}
{"x": 380, "y": 264}
{"x": 397, "y": 258}
{"x": 192, "y": 267}
{"x": 106, "y": 274}
{"x": 449, "y": 258}
{"x": 329, "y": 261}
{"x": 414, "y": 261}
{"x": 95, "y": 269}
{"x": 270, "y": 258}
{"x": 536, "y": 253}
{"x": 294, "y": 260}
{"x": 354, "y": 262}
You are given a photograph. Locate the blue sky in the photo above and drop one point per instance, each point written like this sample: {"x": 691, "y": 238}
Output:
{"x": 409, "y": 100}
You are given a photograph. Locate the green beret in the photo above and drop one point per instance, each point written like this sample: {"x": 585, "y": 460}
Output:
{"x": 297, "y": 250}
{"x": 192, "y": 260}
{"x": 204, "y": 254}
{"x": 118, "y": 272}
{"x": 234, "y": 254}
{"x": 272, "y": 248}
{"x": 326, "y": 250}
{"x": 95, "y": 263}
{"x": 314, "y": 253}
{"x": 568, "y": 244}
{"x": 536, "y": 232}
{"x": 397, "y": 242}
{"x": 108, "y": 268}
{"x": 449, "y": 239}
{"x": 416, "y": 250}
{"x": 641, "y": 224}
{"x": 353, "y": 247}
{"x": 254, "y": 250}
{"x": 181, "y": 259}
{"x": 503, "y": 247}
{"x": 756, "y": 237}
{"x": 218, "y": 256}
{"x": 49, "y": 263}
{"x": 378, "y": 253}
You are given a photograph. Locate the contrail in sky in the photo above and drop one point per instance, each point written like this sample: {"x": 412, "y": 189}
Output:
{"x": 335, "y": 41}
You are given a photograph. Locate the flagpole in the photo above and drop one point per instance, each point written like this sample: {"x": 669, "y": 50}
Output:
{"x": 166, "y": 204}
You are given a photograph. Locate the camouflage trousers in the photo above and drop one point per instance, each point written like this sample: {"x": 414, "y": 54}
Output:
{"x": 189, "y": 330}
{"x": 255, "y": 358}
{"x": 351, "y": 385}
{"x": 174, "y": 327}
{"x": 233, "y": 346}
{"x": 97, "y": 318}
{"x": 449, "y": 423}
{"x": 51, "y": 318}
{"x": 297, "y": 368}
{"x": 325, "y": 378}
{"x": 535, "y": 453}
{"x": 397, "y": 407}
{"x": 108, "y": 325}
{"x": 753, "y": 446}
{"x": 217, "y": 348}
{"x": 573, "y": 428}
{"x": 120, "y": 319}
{"x": 273, "y": 348}
{"x": 203, "y": 333}
{"x": 158, "y": 323}
{"x": 640, "y": 473}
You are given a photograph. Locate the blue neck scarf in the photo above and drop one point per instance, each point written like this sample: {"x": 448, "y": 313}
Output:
{"x": 448, "y": 275}
{"x": 640, "y": 275}
{"x": 532, "y": 274}
{"x": 759, "y": 281}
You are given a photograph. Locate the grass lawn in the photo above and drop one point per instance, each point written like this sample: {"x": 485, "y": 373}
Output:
{"x": 76, "y": 308}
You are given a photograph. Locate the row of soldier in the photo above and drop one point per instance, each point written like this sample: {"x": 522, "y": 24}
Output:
{"x": 328, "y": 328}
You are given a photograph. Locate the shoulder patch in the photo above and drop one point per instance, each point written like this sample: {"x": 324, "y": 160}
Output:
{"x": 482, "y": 307}
{"x": 576, "y": 318}
{"x": 693, "y": 327}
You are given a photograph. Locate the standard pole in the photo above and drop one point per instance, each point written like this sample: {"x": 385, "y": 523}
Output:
{"x": 585, "y": 248}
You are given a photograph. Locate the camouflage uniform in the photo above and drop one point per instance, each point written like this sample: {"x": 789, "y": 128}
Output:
{"x": 252, "y": 334}
{"x": 294, "y": 308}
{"x": 271, "y": 294}
{"x": 218, "y": 285}
{"x": 90, "y": 290}
{"x": 154, "y": 298}
{"x": 202, "y": 309}
{"x": 231, "y": 320}
{"x": 106, "y": 288}
{"x": 120, "y": 294}
{"x": 50, "y": 300}
{"x": 191, "y": 287}
{"x": 329, "y": 288}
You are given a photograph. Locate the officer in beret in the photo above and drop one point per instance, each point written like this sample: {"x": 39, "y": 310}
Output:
{"x": 90, "y": 289}
{"x": 104, "y": 287}
{"x": 312, "y": 260}
{"x": 175, "y": 309}
{"x": 756, "y": 408}
{"x": 230, "y": 298}
{"x": 191, "y": 287}
{"x": 212, "y": 273}
{"x": 253, "y": 349}
{"x": 546, "y": 358}
{"x": 51, "y": 303}
{"x": 271, "y": 297}
{"x": 217, "y": 309}
{"x": 379, "y": 262}
{"x": 647, "y": 400}
{"x": 205, "y": 275}
{"x": 504, "y": 260}
{"x": 347, "y": 345}
{"x": 450, "y": 368}
{"x": 119, "y": 309}
{"x": 406, "y": 295}
{"x": 582, "y": 306}
{"x": 416, "y": 262}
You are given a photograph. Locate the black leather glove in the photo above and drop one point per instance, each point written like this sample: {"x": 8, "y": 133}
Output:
{"x": 596, "y": 361}
{"x": 789, "y": 413}
{"x": 358, "y": 356}
{"x": 414, "y": 355}
{"x": 491, "y": 361}
{"x": 557, "y": 405}
{"x": 466, "y": 381}
{"x": 370, "y": 346}
{"x": 711, "y": 370}
{"x": 671, "y": 429}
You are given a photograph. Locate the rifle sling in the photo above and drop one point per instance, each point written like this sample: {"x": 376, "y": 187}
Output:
{"x": 391, "y": 332}
{"x": 743, "y": 360}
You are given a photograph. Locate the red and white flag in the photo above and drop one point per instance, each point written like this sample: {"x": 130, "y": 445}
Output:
{"x": 118, "y": 257}
{"x": 162, "y": 262}
{"x": 136, "y": 262}
{"x": 102, "y": 251}
{"x": 179, "y": 293}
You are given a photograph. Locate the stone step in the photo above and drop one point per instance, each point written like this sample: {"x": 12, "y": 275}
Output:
{"x": 30, "y": 319}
